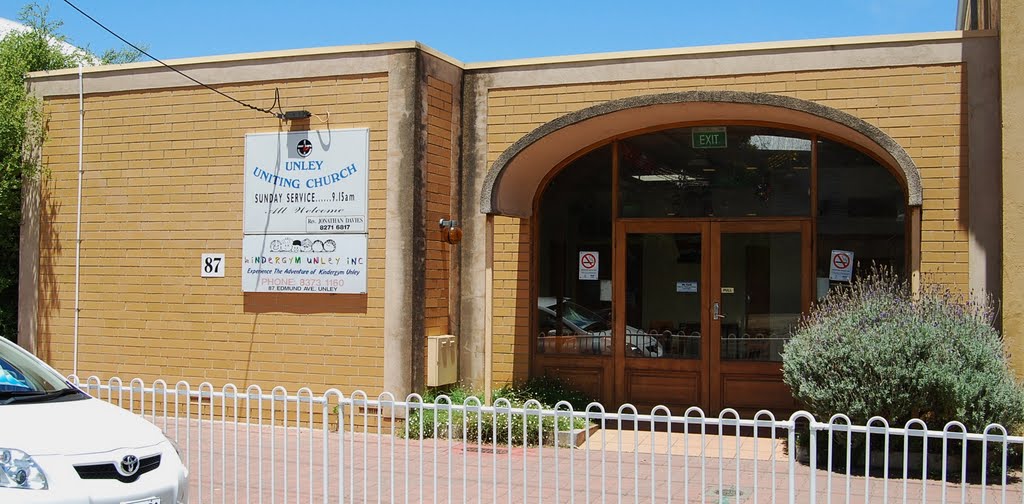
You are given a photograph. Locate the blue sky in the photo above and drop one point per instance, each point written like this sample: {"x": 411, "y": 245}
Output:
{"x": 483, "y": 31}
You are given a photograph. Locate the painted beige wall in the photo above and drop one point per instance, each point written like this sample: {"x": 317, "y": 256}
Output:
{"x": 1011, "y": 34}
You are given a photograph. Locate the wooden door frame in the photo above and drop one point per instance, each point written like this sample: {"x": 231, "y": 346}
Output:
{"x": 623, "y": 228}
{"x": 801, "y": 225}
{"x": 804, "y": 227}
{"x": 710, "y": 230}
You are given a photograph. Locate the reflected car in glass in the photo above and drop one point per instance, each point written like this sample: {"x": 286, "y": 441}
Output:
{"x": 583, "y": 331}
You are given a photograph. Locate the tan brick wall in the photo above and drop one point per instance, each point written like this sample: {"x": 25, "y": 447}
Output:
{"x": 921, "y": 107}
{"x": 163, "y": 183}
{"x": 512, "y": 301}
{"x": 440, "y": 126}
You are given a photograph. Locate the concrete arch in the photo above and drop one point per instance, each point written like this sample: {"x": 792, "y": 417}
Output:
{"x": 515, "y": 177}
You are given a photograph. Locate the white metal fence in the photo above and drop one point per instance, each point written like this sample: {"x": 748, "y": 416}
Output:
{"x": 273, "y": 447}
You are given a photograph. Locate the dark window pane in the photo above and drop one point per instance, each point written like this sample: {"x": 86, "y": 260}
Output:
{"x": 761, "y": 298}
{"x": 663, "y": 285}
{"x": 861, "y": 209}
{"x": 574, "y": 315}
{"x": 734, "y": 171}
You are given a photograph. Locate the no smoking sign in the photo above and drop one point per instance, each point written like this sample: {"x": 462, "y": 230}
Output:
{"x": 588, "y": 265}
{"x": 841, "y": 266}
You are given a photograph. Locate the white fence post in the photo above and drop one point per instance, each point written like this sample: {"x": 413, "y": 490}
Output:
{"x": 530, "y": 452}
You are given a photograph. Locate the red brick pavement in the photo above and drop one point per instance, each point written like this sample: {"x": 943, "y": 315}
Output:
{"x": 233, "y": 464}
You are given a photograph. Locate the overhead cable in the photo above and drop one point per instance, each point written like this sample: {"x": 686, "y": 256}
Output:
{"x": 183, "y": 74}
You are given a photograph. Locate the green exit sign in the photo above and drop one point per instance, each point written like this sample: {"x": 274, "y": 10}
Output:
{"x": 709, "y": 138}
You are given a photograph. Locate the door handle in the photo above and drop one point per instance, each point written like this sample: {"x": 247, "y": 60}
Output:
{"x": 716, "y": 311}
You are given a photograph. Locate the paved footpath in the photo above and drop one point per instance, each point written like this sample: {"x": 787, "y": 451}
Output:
{"x": 276, "y": 465}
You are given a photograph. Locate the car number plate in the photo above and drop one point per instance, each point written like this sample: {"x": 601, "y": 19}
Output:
{"x": 151, "y": 500}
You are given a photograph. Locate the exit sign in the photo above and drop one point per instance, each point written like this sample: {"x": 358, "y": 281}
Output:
{"x": 709, "y": 138}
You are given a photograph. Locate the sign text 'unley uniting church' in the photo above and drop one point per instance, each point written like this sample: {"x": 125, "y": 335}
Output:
{"x": 305, "y": 212}
{"x": 306, "y": 182}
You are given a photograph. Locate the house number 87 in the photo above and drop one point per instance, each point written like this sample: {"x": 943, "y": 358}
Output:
{"x": 212, "y": 265}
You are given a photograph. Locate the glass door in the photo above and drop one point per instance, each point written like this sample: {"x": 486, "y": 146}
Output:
{"x": 761, "y": 286}
{"x": 703, "y": 310}
{"x": 660, "y": 321}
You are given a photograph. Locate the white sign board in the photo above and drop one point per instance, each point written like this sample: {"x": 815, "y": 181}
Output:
{"x": 841, "y": 266}
{"x": 306, "y": 182}
{"x": 588, "y": 265}
{"x": 306, "y": 263}
{"x": 686, "y": 286}
{"x": 211, "y": 265}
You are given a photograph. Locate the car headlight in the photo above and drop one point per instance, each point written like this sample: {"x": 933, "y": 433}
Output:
{"x": 18, "y": 470}
{"x": 633, "y": 349}
{"x": 174, "y": 444}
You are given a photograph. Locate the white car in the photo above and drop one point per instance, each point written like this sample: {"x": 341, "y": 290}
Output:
{"x": 59, "y": 445}
{"x": 592, "y": 331}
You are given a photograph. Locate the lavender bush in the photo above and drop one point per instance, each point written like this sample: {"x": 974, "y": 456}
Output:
{"x": 874, "y": 349}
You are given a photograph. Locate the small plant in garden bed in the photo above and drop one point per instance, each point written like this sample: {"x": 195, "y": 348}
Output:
{"x": 877, "y": 349}
{"x": 500, "y": 428}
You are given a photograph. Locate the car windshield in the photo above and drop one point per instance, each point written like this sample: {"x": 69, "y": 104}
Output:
{"x": 21, "y": 373}
{"x": 582, "y": 317}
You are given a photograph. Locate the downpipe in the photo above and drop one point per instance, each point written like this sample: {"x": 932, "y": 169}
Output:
{"x": 78, "y": 217}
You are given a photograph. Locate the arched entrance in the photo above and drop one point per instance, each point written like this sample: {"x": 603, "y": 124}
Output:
{"x": 671, "y": 263}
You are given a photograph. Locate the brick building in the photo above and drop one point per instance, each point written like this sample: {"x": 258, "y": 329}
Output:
{"x": 646, "y": 224}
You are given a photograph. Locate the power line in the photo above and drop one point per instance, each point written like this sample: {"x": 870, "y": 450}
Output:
{"x": 278, "y": 115}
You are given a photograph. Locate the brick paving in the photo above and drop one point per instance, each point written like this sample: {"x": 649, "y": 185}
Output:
{"x": 277, "y": 465}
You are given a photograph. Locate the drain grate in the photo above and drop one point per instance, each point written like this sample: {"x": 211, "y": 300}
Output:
{"x": 727, "y": 494}
{"x": 483, "y": 449}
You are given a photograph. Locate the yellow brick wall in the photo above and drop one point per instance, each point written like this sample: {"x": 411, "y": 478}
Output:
{"x": 163, "y": 183}
{"x": 921, "y": 107}
{"x": 440, "y": 127}
{"x": 511, "y": 298}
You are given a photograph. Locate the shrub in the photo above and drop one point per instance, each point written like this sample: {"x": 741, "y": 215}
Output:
{"x": 548, "y": 390}
{"x": 501, "y": 428}
{"x": 874, "y": 348}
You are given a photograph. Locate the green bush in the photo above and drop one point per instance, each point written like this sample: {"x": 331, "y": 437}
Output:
{"x": 874, "y": 348}
{"x": 495, "y": 428}
{"x": 548, "y": 390}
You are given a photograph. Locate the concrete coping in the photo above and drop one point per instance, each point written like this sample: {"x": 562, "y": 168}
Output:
{"x": 228, "y": 59}
{"x": 224, "y": 59}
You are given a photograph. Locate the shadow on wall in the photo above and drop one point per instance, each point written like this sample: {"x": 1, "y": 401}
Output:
{"x": 50, "y": 249}
{"x": 266, "y": 302}
{"x": 524, "y": 305}
{"x": 258, "y": 303}
{"x": 980, "y": 174}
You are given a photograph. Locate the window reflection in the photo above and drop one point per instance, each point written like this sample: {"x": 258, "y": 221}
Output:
{"x": 735, "y": 172}
{"x": 761, "y": 293}
{"x": 741, "y": 171}
{"x": 663, "y": 304}
{"x": 586, "y": 332}
{"x": 574, "y": 314}
{"x": 861, "y": 209}
{"x": 579, "y": 330}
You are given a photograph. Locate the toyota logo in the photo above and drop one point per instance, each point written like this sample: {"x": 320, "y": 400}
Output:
{"x": 129, "y": 466}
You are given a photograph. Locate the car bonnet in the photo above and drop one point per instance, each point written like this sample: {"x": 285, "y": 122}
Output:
{"x": 73, "y": 428}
